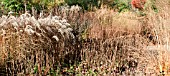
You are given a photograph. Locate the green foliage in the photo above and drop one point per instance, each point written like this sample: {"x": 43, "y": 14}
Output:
{"x": 155, "y": 8}
{"x": 92, "y": 73}
{"x": 18, "y": 5}
{"x": 53, "y": 72}
{"x": 35, "y": 69}
{"x": 13, "y": 5}
{"x": 122, "y": 5}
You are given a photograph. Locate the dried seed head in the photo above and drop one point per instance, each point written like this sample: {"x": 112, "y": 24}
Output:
{"x": 56, "y": 38}
{"x": 29, "y": 30}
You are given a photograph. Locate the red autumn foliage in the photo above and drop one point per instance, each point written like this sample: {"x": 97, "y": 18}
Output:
{"x": 139, "y": 4}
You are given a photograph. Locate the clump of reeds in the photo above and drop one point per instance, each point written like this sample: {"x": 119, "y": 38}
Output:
{"x": 132, "y": 35}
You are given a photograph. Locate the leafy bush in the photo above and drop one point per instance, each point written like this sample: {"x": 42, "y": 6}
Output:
{"x": 13, "y": 5}
{"x": 122, "y": 5}
{"x": 19, "y": 5}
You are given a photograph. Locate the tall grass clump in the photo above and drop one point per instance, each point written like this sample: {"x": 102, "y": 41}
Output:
{"x": 131, "y": 43}
{"x": 101, "y": 42}
{"x": 27, "y": 43}
{"x": 160, "y": 22}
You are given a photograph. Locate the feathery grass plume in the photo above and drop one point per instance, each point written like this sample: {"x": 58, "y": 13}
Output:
{"x": 24, "y": 36}
{"x": 75, "y": 8}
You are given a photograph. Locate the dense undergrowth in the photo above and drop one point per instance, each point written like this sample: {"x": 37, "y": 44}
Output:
{"x": 70, "y": 41}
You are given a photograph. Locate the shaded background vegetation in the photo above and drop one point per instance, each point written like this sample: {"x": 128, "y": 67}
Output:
{"x": 19, "y": 5}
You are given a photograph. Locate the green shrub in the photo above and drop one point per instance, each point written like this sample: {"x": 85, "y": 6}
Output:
{"x": 19, "y": 5}
{"x": 13, "y": 5}
{"x": 122, "y": 5}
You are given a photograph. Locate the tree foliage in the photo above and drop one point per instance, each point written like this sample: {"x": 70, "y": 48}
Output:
{"x": 21, "y": 5}
{"x": 18, "y": 5}
{"x": 13, "y": 5}
{"x": 122, "y": 5}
